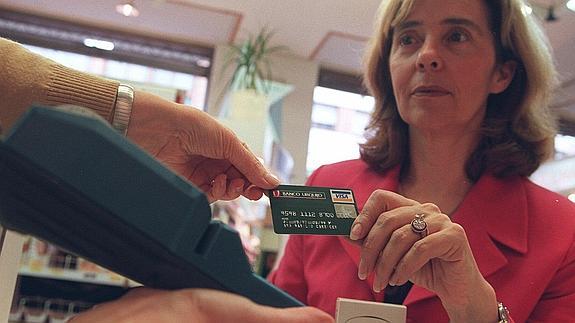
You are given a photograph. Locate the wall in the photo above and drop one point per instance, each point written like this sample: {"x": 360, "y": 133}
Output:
{"x": 296, "y": 114}
{"x": 557, "y": 175}
{"x": 10, "y": 251}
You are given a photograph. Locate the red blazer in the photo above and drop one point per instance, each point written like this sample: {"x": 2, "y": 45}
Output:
{"x": 522, "y": 237}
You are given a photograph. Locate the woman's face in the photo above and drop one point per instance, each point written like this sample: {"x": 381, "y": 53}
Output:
{"x": 442, "y": 65}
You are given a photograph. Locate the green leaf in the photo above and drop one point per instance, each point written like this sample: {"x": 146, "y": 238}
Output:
{"x": 252, "y": 66}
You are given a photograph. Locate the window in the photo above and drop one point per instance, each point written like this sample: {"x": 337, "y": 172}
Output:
{"x": 176, "y": 86}
{"x": 171, "y": 69}
{"x": 338, "y": 122}
{"x": 564, "y": 147}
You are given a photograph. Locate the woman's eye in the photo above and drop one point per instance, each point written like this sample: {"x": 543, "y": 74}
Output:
{"x": 406, "y": 40}
{"x": 458, "y": 36}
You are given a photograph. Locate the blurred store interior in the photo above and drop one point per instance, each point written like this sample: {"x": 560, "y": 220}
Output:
{"x": 316, "y": 113}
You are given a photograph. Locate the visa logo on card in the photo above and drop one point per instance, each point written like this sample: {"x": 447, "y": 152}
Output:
{"x": 312, "y": 210}
{"x": 343, "y": 196}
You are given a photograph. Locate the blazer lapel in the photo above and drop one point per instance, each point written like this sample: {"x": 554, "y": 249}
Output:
{"x": 495, "y": 211}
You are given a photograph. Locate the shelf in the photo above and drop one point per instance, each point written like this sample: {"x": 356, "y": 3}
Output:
{"x": 103, "y": 278}
{"x": 42, "y": 260}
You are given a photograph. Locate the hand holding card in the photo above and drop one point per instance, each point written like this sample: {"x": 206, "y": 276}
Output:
{"x": 312, "y": 210}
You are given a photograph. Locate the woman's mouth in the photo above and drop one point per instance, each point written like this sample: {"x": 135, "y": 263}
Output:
{"x": 430, "y": 91}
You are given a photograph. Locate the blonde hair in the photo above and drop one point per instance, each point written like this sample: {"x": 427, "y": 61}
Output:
{"x": 518, "y": 129}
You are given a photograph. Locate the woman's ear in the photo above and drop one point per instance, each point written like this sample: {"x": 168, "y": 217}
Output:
{"x": 502, "y": 76}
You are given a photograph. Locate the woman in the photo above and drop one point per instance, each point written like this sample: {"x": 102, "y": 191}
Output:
{"x": 461, "y": 89}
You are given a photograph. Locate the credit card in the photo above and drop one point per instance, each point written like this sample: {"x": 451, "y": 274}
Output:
{"x": 312, "y": 210}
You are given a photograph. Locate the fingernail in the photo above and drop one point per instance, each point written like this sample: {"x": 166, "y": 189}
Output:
{"x": 361, "y": 273}
{"x": 355, "y": 231}
{"x": 393, "y": 280}
{"x": 377, "y": 286}
{"x": 272, "y": 180}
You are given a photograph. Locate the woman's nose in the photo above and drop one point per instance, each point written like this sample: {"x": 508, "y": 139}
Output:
{"x": 429, "y": 58}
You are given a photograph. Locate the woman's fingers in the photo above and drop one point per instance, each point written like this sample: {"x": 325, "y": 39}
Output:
{"x": 400, "y": 242}
{"x": 378, "y": 237}
{"x": 443, "y": 245}
{"x": 380, "y": 201}
{"x": 392, "y": 237}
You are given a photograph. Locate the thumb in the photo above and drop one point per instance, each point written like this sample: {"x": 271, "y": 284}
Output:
{"x": 379, "y": 201}
{"x": 248, "y": 164}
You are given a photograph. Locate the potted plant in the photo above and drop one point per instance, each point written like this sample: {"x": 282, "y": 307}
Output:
{"x": 250, "y": 90}
{"x": 252, "y": 65}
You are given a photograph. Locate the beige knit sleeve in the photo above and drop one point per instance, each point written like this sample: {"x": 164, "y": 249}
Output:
{"x": 27, "y": 78}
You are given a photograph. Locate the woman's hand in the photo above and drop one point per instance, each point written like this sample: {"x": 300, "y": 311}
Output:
{"x": 439, "y": 260}
{"x": 144, "y": 305}
{"x": 198, "y": 147}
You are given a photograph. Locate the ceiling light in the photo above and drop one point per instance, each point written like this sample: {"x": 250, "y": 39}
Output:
{"x": 127, "y": 9}
{"x": 100, "y": 44}
{"x": 202, "y": 62}
{"x": 571, "y": 5}
{"x": 526, "y": 9}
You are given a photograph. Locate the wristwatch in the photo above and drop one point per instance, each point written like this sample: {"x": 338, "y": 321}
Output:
{"x": 503, "y": 313}
{"x": 123, "y": 108}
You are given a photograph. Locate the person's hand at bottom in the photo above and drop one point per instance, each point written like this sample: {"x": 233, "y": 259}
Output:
{"x": 194, "y": 305}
